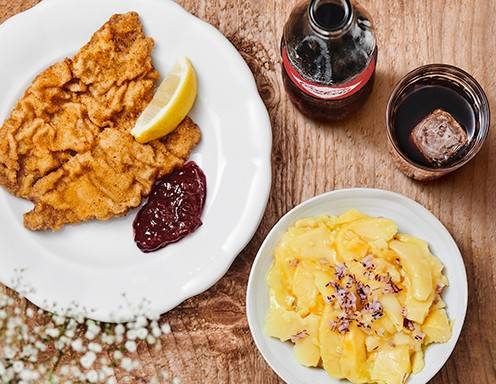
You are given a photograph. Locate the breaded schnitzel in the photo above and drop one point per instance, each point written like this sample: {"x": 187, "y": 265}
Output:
{"x": 66, "y": 145}
{"x": 106, "y": 84}
{"x": 108, "y": 180}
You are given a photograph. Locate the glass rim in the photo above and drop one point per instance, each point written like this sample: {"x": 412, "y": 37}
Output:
{"x": 441, "y": 70}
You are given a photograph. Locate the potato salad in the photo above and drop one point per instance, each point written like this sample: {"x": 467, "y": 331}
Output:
{"x": 356, "y": 297}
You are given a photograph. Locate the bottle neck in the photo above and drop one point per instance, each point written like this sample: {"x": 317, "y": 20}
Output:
{"x": 331, "y": 18}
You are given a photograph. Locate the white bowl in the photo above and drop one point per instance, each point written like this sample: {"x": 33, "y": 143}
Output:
{"x": 411, "y": 218}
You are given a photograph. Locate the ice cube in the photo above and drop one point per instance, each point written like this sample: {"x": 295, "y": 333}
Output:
{"x": 439, "y": 137}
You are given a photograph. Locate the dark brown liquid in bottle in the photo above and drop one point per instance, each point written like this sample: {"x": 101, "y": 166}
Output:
{"x": 343, "y": 59}
{"x": 330, "y": 15}
{"x": 420, "y": 101}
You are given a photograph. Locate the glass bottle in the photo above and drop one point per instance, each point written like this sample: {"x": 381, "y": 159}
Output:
{"x": 329, "y": 56}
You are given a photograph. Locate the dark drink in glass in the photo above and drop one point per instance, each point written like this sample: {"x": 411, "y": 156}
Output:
{"x": 329, "y": 56}
{"x": 423, "y": 93}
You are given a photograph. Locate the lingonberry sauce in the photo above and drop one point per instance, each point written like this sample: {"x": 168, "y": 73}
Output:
{"x": 173, "y": 209}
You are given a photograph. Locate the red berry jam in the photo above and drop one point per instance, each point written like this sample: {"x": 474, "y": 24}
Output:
{"x": 173, "y": 209}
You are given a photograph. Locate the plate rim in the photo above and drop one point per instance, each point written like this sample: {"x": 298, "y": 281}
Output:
{"x": 265, "y": 172}
{"x": 250, "y": 311}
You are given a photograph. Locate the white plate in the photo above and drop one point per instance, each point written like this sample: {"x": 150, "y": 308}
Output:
{"x": 94, "y": 264}
{"x": 412, "y": 218}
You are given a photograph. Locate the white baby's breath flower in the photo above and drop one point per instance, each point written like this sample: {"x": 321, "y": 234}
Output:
{"x": 29, "y": 313}
{"x": 52, "y": 332}
{"x": 176, "y": 380}
{"x": 59, "y": 320}
{"x": 9, "y": 352}
{"x": 141, "y": 333}
{"x": 8, "y": 376}
{"x": 29, "y": 376}
{"x": 119, "y": 329}
{"x": 77, "y": 345}
{"x": 13, "y": 322}
{"x": 18, "y": 366}
{"x": 59, "y": 345}
{"x": 131, "y": 334}
{"x": 92, "y": 331}
{"x": 107, "y": 339}
{"x": 42, "y": 369}
{"x": 92, "y": 376}
{"x": 127, "y": 364}
{"x": 75, "y": 371}
{"x": 95, "y": 347}
{"x": 21, "y": 342}
{"x": 64, "y": 370}
{"x": 88, "y": 359}
{"x": 28, "y": 350}
{"x": 141, "y": 322}
{"x": 106, "y": 371}
{"x": 40, "y": 346}
{"x": 130, "y": 346}
{"x": 156, "y": 332}
{"x": 166, "y": 328}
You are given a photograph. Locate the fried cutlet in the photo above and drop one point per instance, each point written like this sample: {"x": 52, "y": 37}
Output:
{"x": 66, "y": 145}
{"x": 108, "y": 180}
{"x": 107, "y": 83}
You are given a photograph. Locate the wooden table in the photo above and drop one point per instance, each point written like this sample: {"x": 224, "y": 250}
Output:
{"x": 211, "y": 342}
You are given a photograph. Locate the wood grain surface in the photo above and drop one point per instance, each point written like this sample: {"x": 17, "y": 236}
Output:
{"x": 211, "y": 342}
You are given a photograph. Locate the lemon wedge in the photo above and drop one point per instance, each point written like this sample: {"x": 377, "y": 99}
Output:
{"x": 171, "y": 103}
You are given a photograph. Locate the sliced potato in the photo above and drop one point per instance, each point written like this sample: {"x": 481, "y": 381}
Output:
{"x": 417, "y": 310}
{"x": 417, "y": 266}
{"x": 392, "y": 309}
{"x": 350, "y": 246}
{"x": 307, "y": 348}
{"x": 278, "y": 283}
{"x": 354, "y": 356}
{"x": 374, "y": 228}
{"x": 331, "y": 344}
{"x": 372, "y": 343}
{"x": 283, "y": 324}
{"x": 437, "y": 328}
{"x": 304, "y": 289}
{"x": 316, "y": 244}
{"x": 350, "y": 216}
{"x": 391, "y": 365}
{"x": 418, "y": 361}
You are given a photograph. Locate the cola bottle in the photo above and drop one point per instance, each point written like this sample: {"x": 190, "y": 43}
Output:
{"x": 329, "y": 56}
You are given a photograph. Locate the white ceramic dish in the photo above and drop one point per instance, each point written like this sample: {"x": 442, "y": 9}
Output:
{"x": 412, "y": 218}
{"x": 96, "y": 263}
